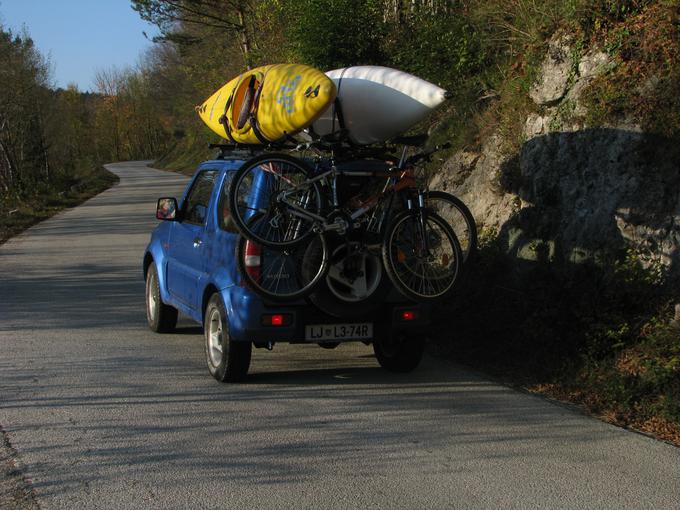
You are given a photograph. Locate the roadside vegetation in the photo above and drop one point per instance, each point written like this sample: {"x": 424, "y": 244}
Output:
{"x": 18, "y": 214}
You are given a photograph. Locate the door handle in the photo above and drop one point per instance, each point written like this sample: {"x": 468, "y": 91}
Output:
{"x": 197, "y": 242}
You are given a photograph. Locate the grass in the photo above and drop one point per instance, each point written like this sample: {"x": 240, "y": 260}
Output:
{"x": 646, "y": 48}
{"x": 16, "y": 215}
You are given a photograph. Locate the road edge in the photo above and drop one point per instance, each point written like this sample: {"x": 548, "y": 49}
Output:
{"x": 16, "y": 489}
{"x": 64, "y": 203}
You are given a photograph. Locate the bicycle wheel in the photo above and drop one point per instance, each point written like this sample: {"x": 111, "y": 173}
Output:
{"x": 282, "y": 275}
{"x": 459, "y": 217}
{"x": 275, "y": 186}
{"x": 423, "y": 263}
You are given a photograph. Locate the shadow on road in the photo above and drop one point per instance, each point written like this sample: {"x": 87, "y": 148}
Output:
{"x": 341, "y": 412}
{"x": 74, "y": 297}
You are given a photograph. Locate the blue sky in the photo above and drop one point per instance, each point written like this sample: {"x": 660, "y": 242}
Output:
{"x": 80, "y": 36}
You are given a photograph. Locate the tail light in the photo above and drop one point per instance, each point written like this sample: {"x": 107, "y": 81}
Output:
{"x": 253, "y": 261}
{"x": 277, "y": 319}
{"x": 409, "y": 315}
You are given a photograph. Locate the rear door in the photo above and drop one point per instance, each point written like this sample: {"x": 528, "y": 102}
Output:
{"x": 187, "y": 238}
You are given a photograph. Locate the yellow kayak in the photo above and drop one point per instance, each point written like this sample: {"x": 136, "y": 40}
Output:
{"x": 267, "y": 103}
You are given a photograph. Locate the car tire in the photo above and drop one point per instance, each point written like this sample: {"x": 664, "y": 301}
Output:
{"x": 161, "y": 318}
{"x": 399, "y": 352}
{"x": 331, "y": 297}
{"x": 228, "y": 361}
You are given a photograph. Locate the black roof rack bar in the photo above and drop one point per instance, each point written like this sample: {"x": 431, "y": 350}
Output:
{"x": 248, "y": 146}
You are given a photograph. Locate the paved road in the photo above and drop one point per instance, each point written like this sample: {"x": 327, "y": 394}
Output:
{"x": 105, "y": 414}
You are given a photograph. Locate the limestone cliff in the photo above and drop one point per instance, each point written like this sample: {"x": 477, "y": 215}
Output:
{"x": 572, "y": 191}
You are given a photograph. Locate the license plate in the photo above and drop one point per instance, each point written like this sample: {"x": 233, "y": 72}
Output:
{"x": 321, "y": 332}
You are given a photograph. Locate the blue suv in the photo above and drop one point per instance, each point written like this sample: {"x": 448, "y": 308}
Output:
{"x": 190, "y": 267}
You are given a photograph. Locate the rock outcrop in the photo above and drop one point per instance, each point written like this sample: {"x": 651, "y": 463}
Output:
{"x": 574, "y": 190}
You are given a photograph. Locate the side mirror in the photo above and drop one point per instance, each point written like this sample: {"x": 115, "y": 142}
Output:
{"x": 166, "y": 209}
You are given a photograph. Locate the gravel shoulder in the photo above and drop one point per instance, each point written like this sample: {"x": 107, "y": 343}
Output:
{"x": 15, "y": 491}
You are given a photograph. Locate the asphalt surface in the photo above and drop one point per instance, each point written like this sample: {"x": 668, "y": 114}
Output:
{"x": 105, "y": 414}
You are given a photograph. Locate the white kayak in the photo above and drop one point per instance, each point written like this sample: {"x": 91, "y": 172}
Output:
{"x": 377, "y": 103}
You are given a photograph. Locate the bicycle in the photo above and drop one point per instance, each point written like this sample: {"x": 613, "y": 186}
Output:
{"x": 277, "y": 202}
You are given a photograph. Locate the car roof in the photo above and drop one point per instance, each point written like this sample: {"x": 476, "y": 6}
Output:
{"x": 222, "y": 164}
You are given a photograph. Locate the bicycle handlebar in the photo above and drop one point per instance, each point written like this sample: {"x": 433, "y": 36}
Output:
{"x": 426, "y": 154}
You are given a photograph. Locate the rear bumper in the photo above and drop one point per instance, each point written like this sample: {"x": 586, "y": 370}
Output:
{"x": 246, "y": 322}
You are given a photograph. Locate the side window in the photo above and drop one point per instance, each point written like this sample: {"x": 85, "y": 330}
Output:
{"x": 224, "y": 219}
{"x": 195, "y": 208}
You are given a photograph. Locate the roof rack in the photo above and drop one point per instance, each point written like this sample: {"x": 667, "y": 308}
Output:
{"x": 242, "y": 149}
{"x": 334, "y": 142}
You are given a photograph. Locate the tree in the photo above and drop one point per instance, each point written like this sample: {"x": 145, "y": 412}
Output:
{"x": 224, "y": 16}
{"x": 24, "y": 74}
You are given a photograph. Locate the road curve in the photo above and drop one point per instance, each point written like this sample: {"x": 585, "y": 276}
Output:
{"x": 106, "y": 414}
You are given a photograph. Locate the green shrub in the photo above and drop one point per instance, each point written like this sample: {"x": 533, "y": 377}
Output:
{"x": 335, "y": 33}
{"x": 593, "y": 15}
{"x": 443, "y": 48}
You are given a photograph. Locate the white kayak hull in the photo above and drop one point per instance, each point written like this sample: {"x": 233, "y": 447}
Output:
{"x": 377, "y": 103}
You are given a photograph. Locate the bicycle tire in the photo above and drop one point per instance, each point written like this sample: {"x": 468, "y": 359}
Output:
{"x": 255, "y": 188}
{"x": 304, "y": 268}
{"x": 459, "y": 218}
{"x": 419, "y": 286}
